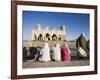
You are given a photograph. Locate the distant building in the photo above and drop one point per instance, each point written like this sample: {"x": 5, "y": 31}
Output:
{"x": 39, "y": 34}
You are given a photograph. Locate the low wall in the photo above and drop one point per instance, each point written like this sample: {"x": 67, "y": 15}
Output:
{"x": 28, "y": 43}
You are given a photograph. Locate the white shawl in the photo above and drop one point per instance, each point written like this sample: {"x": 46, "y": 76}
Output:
{"x": 82, "y": 52}
{"x": 56, "y": 53}
{"x": 45, "y": 52}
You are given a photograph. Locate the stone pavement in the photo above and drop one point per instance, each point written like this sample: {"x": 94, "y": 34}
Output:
{"x": 75, "y": 62}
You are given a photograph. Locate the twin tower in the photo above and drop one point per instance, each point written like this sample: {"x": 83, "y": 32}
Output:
{"x": 39, "y": 34}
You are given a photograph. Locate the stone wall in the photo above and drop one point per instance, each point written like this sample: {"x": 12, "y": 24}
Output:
{"x": 30, "y": 43}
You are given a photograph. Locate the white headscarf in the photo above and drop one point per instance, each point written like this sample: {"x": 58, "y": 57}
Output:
{"x": 82, "y": 52}
{"x": 57, "y": 45}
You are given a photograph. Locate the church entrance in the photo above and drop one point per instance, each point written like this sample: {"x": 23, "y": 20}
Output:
{"x": 47, "y": 37}
{"x": 40, "y": 37}
{"x": 54, "y": 37}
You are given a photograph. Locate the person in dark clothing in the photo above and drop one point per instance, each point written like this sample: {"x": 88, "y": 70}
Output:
{"x": 38, "y": 53}
{"x": 33, "y": 52}
{"x": 24, "y": 53}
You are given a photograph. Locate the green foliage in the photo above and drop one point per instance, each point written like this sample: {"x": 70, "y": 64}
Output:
{"x": 81, "y": 42}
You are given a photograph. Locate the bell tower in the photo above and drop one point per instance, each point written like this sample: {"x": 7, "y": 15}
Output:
{"x": 63, "y": 28}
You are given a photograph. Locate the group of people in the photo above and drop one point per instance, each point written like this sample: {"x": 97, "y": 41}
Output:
{"x": 45, "y": 54}
{"x": 56, "y": 53}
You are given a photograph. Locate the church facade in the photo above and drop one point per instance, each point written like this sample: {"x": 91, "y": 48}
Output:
{"x": 39, "y": 34}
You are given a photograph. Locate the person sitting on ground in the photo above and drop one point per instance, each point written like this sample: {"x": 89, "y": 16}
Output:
{"x": 24, "y": 53}
{"x": 56, "y": 55}
{"x": 65, "y": 53}
{"x": 45, "y": 53}
{"x": 32, "y": 53}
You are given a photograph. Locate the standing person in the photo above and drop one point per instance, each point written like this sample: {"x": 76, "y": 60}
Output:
{"x": 56, "y": 53}
{"x": 45, "y": 52}
{"x": 81, "y": 44}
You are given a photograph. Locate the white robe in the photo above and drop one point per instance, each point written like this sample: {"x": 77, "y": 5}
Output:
{"x": 56, "y": 53}
{"x": 82, "y": 52}
{"x": 45, "y": 52}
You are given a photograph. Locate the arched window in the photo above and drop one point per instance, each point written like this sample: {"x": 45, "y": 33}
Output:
{"x": 59, "y": 38}
{"x": 40, "y": 37}
{"x": 47, "y": 36}
{"x": 54, "y": 37}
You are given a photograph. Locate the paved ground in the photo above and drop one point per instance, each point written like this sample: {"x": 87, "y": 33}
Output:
{"x": 73, "y": 62}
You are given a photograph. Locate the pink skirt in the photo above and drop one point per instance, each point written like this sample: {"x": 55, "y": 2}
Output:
{"x": 65, "y": 55}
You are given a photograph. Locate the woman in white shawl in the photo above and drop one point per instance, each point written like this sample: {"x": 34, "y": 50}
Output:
{"x": 45, "y": 52}
{"x": 56, "y": 53}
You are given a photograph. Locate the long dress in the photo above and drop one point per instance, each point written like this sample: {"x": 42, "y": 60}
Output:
{"x": 56, "y": 53}
{"x": 82, "y": 52}
{"x": 45, "y": 52}
{"x": 65, "y": 54}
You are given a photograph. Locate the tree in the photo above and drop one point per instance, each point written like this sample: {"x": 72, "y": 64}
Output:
{"x": 82, "y": 42}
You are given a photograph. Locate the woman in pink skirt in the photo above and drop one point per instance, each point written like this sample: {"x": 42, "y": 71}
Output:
{"x": 65, "y": 53}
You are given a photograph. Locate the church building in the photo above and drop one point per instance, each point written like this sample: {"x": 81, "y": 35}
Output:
{"x": 39, "y": 34}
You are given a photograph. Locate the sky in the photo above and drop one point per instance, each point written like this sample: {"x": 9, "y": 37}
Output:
{"x": 76, "y": 23}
